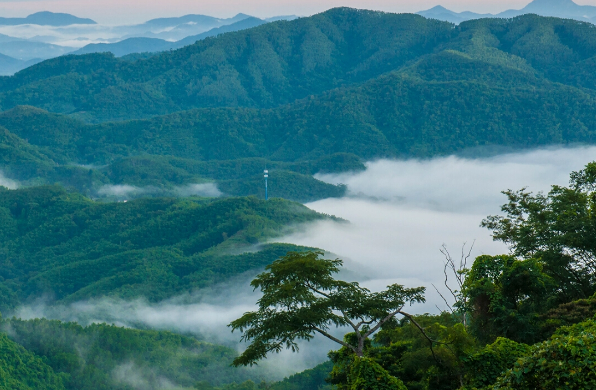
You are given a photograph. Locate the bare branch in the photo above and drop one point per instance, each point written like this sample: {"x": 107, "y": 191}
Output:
{"x": 330, "y": 337}
{"x": 444, "y": 299}
{"x": 380, "y": 323}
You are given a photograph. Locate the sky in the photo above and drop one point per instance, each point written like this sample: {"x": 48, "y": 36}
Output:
{"x": 113, "y": 12}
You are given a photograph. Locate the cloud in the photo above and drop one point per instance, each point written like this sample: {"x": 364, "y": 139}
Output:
{"x": 401, "y": 212}
{"x": 205, "y": 314}
{"x": 122, "y": 190}
{"x": 208, "y": 190}
{"x": 8, "y": 183}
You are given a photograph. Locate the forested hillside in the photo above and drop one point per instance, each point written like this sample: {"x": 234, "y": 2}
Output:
{"x": 22, "y": 370}
{"x": 311, "y": 95}
{"x": 70, "y": 248}
{"x": 432, "y": 109}
{"x": 281, "y": 62}
{"x": 104, "y": 357}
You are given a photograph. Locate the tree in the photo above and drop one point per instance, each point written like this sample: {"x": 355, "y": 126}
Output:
{"x": 558, "y": 229}
{"x": 302, "y": 298}
{"x": 505, "y": 296}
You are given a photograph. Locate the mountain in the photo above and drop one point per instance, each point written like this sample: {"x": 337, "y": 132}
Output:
{"x": 151, "y": 45}
{"x": 46, "y": 19}
{"x": 557, "y": 8}
{"x": 221, "y": 110}
{"x": 243, "y": 24}
{"x": 30, "y": 50}
{"x": 192, "y": 19}
{"x": 100, "y": 356}
{"x": 9, "y": 65}
{"x": 127, "y": 46}
{"x": 175, "y": 29}
{"x": 442, "y": 13}
{"x": 319, "y": 53}
{"x": 22, "y": 369}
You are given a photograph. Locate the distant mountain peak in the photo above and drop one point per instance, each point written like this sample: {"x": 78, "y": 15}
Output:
{"x": 551, "y": 3}
{"x": 439, "y": 8}
{"x": 47, "y": 18}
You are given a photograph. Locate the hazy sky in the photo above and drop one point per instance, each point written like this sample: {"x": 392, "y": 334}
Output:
{"x": 133, "y": 11}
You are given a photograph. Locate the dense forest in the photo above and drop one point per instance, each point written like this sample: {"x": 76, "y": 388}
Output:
{"x": 316, "y": 94}
{"x": 71, "y": 248}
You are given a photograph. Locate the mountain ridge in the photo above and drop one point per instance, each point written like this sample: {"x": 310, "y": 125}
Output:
{"x": 557, "y": 8}
{"x": 46, "y": 18}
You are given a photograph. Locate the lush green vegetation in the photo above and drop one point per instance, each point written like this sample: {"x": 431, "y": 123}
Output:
{"x": 22, "y": 370}
{"x": 111, "y": 358}
{"x": 72, "y": 248}
{"x": 318, "y": 94}
{"x": 288, "y": 94}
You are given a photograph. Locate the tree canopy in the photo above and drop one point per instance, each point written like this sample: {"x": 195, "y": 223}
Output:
{"x": 301, "y": 298}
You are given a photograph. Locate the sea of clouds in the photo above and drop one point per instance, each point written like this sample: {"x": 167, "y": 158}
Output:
{"x": 400, "y": 214}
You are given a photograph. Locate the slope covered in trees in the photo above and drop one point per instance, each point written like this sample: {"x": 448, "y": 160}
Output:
{"x": 71, "y": 248}
{"x": 105, "y": 357}
{"x": 281, "y": 62}
{"x": 303, "y": 93}
{"x": 22, "y": 370}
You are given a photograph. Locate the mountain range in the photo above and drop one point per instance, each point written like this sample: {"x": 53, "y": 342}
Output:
{"x": 189, "y": 131}
{"x": 557, "y": 8}
{"x": 222, "y": 109}
{"x": 152, "y": 45}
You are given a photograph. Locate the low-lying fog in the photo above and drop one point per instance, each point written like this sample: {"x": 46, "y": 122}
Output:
{"x": 400, "y": 213}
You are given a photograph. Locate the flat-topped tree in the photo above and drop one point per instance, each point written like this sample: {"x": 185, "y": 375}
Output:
{"x": 302, "y": 298}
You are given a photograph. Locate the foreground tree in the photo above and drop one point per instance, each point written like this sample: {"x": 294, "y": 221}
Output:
{"x": 558, "y": 229}
{"x": 302, "y": 298}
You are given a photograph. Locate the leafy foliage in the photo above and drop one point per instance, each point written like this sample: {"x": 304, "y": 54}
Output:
{"x": 484, "y": 367}
{"x": 366, "y": 374}
{"x": 566, "y": 361}
{"x": 506, "y": 295}
{"x": 558, "y": 229}
{"x": 314, "y": 378}
{"x": 22, "y": 370}
{"x": 301, "y": 298}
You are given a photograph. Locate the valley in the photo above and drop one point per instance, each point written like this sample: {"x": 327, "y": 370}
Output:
{"x": 133, "y": 212}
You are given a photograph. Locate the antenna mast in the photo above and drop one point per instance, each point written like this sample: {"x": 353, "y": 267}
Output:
{"x": 266, "y": 188}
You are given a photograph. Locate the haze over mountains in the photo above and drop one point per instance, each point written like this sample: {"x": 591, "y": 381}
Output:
{"x": 557, "y": 8}
{"x": 47, "y": 35}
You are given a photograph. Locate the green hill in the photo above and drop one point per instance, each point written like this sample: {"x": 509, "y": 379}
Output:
{"x": 22, "y": 370}
{"x": 68, "y": 247}
{"x": 266, "y": 66}
{"x": 104, "y": 357}
{"x": 281, "y": 62}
